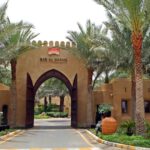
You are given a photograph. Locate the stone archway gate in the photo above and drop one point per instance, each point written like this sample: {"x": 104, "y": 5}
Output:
{"x": 35, "y": 66}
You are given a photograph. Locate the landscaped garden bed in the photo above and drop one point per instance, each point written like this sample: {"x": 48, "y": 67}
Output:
{"x": 51, "y": 111}
{"x": 122, "y": 136}
{"x": 125, "y": 139}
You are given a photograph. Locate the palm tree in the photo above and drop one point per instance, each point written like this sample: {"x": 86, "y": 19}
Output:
{"x": 15, "y": 39}
{"x": 122, "y": 44}
{"x": 5, "y": 76}
{"x": 85, "y": 49}
{"x": 17, "y": 43}
{"x": 135, "y": 16}
{"x": 84, "y": 45}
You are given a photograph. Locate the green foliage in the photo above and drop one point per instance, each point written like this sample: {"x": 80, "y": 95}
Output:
{"x": 40, "y": 108}
{"x": 104, "y": 108}
{"x": 57, "y": 114}
{"x": 119, "y": 74}
{"x": 147, "y": 125}
{"x": 125, "y": 139}
{"x": 52, "y": 87}
{"x": 128, "y": 126}
{"x": 83, "y": 41}
{"x": 6, "y": 131}
{"x": 41, "y": 116}
{"x": 53, "y": 108}
{"x": 5, "y": 76}
{"x": 52, "y": 111}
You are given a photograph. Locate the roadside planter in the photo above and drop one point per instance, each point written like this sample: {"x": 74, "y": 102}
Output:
{"x": 109, "y": 125}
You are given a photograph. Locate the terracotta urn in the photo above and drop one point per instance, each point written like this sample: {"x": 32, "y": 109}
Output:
{"x": 109, "y": 125}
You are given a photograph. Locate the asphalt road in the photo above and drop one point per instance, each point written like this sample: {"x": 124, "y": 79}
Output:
{"x": 53, "y": 133}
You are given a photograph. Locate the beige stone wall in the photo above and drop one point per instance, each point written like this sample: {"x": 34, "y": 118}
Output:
{"x": 29, "y": 62}
{"x": 5, "y": 98}
{"x": 121, "y": 90}
{"x": 102, "y": 95}
{"x": 114, "y": 92}
{"x": 67, "y": 105}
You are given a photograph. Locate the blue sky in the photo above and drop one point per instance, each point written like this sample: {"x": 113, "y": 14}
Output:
{"x": 53, "y": 18}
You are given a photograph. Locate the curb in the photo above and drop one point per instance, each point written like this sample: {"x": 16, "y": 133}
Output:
{"x": 123, "y": 146}
{"x": 11, "y": 134}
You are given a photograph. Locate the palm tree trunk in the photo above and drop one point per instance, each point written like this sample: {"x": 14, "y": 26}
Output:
{"x": 13, "y": 63}
{"x": 50, "y": 99}
{"x": 90, "y": 98}
{"x": 90, "y": 75}
{"x": 106, "y": 77}
{"x": 133, "y": 91}
{"x": 45, "y": 104}
{"x": 61, "y": 108}
{"x": 139, "y": 109}
{"x": 95, "y": 79}
{"x": 13, "y": 93}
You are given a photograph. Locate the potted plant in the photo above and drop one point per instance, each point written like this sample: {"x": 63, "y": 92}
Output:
{"x": 108, "y": 123}
{"x": 105, "y": 110}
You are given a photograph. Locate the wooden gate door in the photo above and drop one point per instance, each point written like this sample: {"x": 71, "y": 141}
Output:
{"x": 29, "y": 103}
{"x": 74, "y": 105}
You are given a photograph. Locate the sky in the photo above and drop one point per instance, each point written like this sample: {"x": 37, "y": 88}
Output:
{"x": 52, "y": 19}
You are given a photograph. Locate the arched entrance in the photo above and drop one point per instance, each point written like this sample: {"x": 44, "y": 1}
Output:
{"x": 31, "y": 90}
{"x": 36, "y": 66}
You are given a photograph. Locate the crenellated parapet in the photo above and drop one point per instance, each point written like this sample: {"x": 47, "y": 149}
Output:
{"x": 61, "y": 44}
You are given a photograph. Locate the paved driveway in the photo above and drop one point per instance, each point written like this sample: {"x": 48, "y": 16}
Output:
{"x": 52, "y": 134}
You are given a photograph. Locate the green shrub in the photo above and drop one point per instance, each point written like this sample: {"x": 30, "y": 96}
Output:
{"x": 57, "y": 114}
{"x": 147, "y": 125}
{"x": 63, "y": 114}
{"x": 104, "y": 108}
{"x": 128, "y": 126}
{"x": 41, "y": 116}
{"x": 52, "y": 108}
{"x": 38, "y": 109}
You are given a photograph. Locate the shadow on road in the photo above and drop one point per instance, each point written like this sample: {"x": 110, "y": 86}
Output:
{"x": 51, "y": 127}
{"x": 59, "y": 121}
{"x": 52, "y": 124}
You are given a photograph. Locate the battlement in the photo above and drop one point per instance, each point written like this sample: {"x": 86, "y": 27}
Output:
{"x": 61, "y": 44}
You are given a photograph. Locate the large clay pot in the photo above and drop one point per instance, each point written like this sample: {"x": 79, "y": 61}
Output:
{"x": 109, "y": 125}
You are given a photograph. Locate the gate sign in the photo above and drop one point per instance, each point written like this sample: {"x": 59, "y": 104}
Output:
{"x": 53, "y": 51}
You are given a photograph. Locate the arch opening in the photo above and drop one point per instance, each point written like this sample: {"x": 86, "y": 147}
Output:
{"x": 31, "y": 91}
{"x": 52, "y": 100}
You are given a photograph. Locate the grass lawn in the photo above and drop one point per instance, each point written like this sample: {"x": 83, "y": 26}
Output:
{"x": 125, "y": 139}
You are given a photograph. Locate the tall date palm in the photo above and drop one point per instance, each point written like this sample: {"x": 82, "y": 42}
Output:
{"x": 135, "y": 15}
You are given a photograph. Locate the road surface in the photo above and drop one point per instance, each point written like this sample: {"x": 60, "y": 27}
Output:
{"x": 54, "y": 134}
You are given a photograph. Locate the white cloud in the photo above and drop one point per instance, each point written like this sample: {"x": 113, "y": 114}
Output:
{"x": 53, "y": 18}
